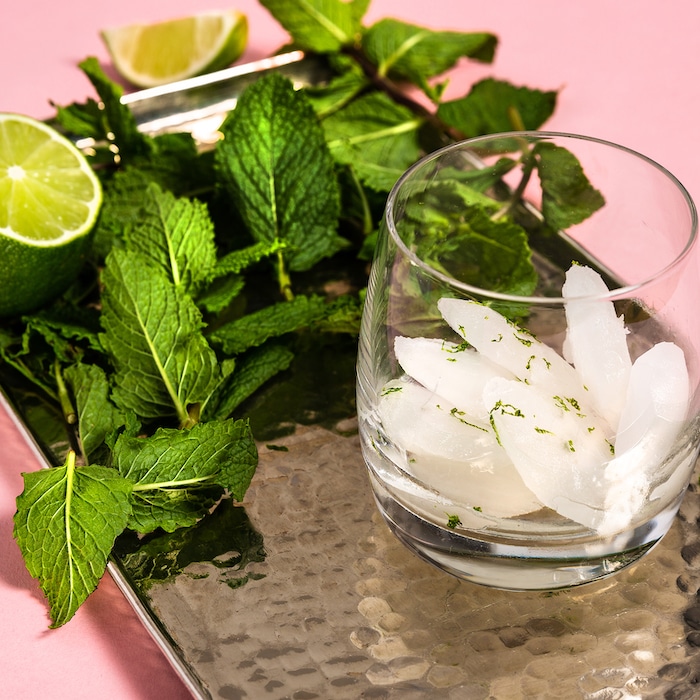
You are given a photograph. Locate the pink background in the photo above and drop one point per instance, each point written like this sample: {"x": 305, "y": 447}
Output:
{"x": 628, "y": 72}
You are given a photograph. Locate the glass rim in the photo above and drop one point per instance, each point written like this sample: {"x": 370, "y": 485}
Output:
{"x": 616, "y": 292}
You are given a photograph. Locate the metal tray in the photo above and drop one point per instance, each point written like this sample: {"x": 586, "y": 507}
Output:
{"x": 302, "y": 592}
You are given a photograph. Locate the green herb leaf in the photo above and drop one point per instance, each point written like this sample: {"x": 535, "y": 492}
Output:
{"x": 221, "y": 293}
{"x": 120, "y": 124}
{"x": 84, "y": 120}
{"x": 66, "y": 522}
{"x": 253, "y": 370}
{"x": 567, "y": 195}
{"x": 480, "y": 180}
{"x": 153, "y": 336}
{"x": 64, "y": 326}
{"x": 377, "y": 137}
{"x": 275, "y": 164}
{"x": 494, "y": 106}
{"x": 238, "y": 260}
{"x": 319, "y": 25}
{"x": 255, "y": 328}
{"x": 177, "y": 165}
{"x": 98, "y": 417}
{"x": 175, "y": 472}
{"x": 343, "y": 315}
{"x": 225, "y": 279}
{"x": 177, "y": 235}
{"x": 406, "y": 51}
{"x": 337, "y": 92}
{"x": 460, "y": 237}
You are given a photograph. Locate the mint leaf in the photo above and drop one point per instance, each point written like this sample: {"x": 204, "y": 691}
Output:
{"x": 45, "y": 325}
{"x": 274, "y": 162}
{"x": 120, "y": 125}
{"x": 406, "y": 51}
{"x": 253, "y": 370}
{"x": 225, "y": 279}
{"x": 272, "y": 321}
{"x": 377, "y": 137}
{"x": 66, "y": 522}
{"x": 480, "y": 179}
{"x": 173, "y": 165}
{"x": 35, "y": 367}
{"x": 238, "y": 260}
{"x": 177, "y": 235}
{"x": 220, "y": 293}
{"x": 343, "y": 315}
{"x": 169, "y": 509}
{"x": 121, "y": 209}
{"x": 494, "y": 106}
{"x": 460, "y": 238}
{"x": 337, "y": 92}
{"x": 567, "y": 195}
{"x": 177, "y": 165}
{"x": 175, "y": 473}
{"x": 84, "y": 120}
{"x": 319, "y": 25}
{"x": 64, "y": 326}
{"x": 98, "y": 417}
{"x": 152, "y": 333}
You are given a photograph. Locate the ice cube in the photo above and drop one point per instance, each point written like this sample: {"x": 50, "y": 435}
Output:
{"x": 656, "y": 402}
{"x": 450, "y": 452}
{"x": 512, "y": 348}
{"x": 455, "y": 372}
{"x": 500, "y": 493}
{"x": 559, "y": 452}
{"x": 652, "y": 418}
{"x": 420, "y": 421}
{"x": 596, "y": 342}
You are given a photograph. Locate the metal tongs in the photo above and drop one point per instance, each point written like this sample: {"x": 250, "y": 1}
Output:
{"x": 200, "y": 105}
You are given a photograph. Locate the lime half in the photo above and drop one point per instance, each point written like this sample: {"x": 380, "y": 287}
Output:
{"x": 49, "y": 201}
{"x": 154, "y": 54}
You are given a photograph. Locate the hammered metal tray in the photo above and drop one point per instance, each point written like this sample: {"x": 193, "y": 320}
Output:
{"x": 302, "y": 592}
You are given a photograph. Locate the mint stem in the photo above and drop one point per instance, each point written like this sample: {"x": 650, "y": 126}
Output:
{"x": 367, "y": 219}
{"x": 283, "y": 278}
{"x": 67, "y": 408}
{"x": 387, "y": 86}
{"x": 528, "y": 162}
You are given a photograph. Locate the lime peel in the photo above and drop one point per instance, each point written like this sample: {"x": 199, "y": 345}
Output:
{"x": 148, "y": 55}
{"x": 49, "y": 202}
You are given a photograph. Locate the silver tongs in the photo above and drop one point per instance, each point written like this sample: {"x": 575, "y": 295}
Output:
{"x": 200, "y": 105}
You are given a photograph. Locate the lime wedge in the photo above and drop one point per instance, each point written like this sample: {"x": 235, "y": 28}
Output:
{"x": 49, "y": 201}
{"x": 154, "y": 54}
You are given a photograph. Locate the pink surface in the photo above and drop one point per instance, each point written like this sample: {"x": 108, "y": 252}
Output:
{"x": 628, "y": 72}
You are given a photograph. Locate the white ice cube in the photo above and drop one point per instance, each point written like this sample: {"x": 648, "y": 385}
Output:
{"x": 512, "y": 348}
{"x": 450, "y": 452}
{"x": 559, "y": 451}
{"x": 596, "y": 342}
{"x": 656, "y": 402}
{"x": 455, "y": 372}
{"x": 652, "y": 418}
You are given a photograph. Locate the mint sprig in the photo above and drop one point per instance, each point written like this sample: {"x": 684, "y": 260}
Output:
{"x": 153, "y": 338}
{"x": 67, "y": 520}
{"x": 275, "y": 164}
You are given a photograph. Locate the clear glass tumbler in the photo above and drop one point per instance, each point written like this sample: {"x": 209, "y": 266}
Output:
{"x": 527, "y": 385}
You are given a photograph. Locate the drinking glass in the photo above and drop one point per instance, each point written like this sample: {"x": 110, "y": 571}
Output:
{"x": 527, "y": 376}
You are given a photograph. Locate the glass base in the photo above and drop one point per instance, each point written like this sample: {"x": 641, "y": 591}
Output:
{"x": 514, "y": 567}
